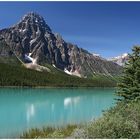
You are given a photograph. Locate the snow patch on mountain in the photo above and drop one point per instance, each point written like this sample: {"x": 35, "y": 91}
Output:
{"x": 95, "y": 54}
{"x": 24, "y": 30}
{"x": 29, "y": 58}
{"x": 68, "y": 72}
{"x": 53, "y": 65}
{"x": 32, "y": 41}
{"x": 75, "y": 73}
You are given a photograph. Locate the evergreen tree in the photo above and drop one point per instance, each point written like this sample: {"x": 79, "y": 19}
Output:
{"x": 129, "y": 85}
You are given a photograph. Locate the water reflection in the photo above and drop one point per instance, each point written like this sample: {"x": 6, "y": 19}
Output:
{"x": 29, "y": 108}
{"x": 67, "y": 102}
{"x": 71, "y": 100}
{"x": 30, "y": 112}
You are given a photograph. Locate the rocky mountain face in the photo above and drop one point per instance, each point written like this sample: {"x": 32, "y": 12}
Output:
{"x": 6, "y": 54}
{"x": 120, "y": 60}
{"x": 33, "y": 41}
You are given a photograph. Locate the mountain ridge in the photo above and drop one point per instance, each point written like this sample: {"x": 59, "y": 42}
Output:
{"x": 32, "y": 38}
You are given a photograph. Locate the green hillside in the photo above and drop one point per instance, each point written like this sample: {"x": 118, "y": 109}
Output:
{"x": 12, "y": 73}
{"x": 19, "y": 76}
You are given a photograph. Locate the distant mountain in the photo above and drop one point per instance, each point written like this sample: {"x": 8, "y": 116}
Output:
{"x": 33, "y": 42}
{"x": 120, "y": 60}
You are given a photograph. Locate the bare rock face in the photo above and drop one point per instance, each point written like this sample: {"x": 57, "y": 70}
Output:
{"x": 6, "y": 54}
{"x": 33, "y": 38}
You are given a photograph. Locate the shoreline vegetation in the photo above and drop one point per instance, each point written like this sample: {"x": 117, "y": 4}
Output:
{"x": 65, "y": 87}
{"x": 121, "y": 121}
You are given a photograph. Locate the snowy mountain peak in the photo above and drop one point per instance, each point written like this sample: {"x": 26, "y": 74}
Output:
{"x": 32, "y": 14}
{"x": 124, "y": 55}
{"x": 121, "y": 59}
{"x": 121, "y": 56}
{"x": 33, "y": 19}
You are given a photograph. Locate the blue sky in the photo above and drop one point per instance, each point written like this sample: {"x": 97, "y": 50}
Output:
{"x": 107, "y": 28}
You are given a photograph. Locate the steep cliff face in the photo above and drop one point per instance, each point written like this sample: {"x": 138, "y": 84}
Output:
{"x": 33, "y": 41}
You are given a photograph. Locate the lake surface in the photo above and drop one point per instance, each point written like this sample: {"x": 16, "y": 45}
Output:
{"x": 22, "y": 109}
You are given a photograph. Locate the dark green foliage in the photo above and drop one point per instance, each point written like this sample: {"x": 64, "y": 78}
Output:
{"x": 122, "y": 121}
{"x": 20, "y": 76}
{"x": 129, "y": 86}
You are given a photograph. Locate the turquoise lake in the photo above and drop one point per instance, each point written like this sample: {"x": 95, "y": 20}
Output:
{"x": 25, "y": 108}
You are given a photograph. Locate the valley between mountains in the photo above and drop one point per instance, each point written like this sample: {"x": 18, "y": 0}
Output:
{"x": 31, "y": 54}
